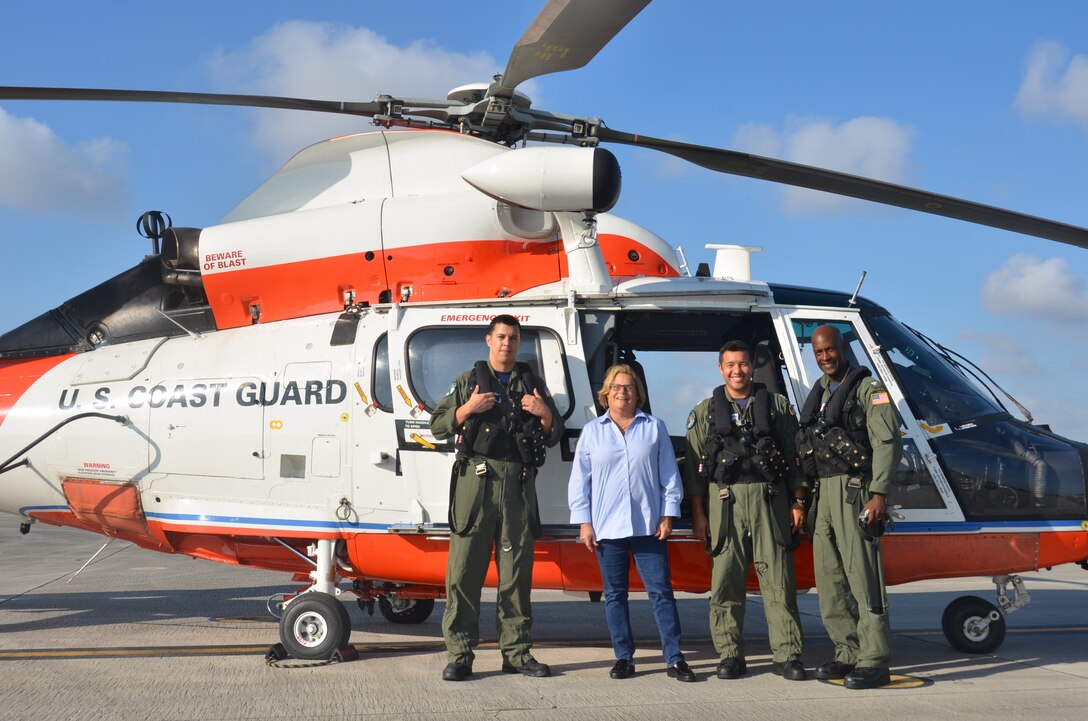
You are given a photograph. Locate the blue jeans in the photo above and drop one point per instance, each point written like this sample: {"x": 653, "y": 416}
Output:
{"x": 652, "y": 563}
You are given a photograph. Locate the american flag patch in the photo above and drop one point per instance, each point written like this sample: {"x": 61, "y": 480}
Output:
{"x": 880, "y": 399}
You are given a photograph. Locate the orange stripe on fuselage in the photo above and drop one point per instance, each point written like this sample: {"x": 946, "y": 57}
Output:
{"x": 462, "y": 270}
{"x": 622, "y": 263}
{"x": 16, "y": 376}
{"x": 477, "y": 269}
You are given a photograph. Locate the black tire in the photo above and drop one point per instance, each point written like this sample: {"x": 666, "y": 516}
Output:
{"x": 958, "y": 624}
{"x": 314, "y": 626}
{"x": 417, "y": 610}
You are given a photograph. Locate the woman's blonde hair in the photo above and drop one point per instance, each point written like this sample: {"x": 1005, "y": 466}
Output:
{"x": 610, "y": 377}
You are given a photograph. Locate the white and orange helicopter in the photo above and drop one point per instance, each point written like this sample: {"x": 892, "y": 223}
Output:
{"x": 257, "y": 392}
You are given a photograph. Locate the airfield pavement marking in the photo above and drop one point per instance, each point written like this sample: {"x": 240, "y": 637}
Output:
{"x": 424, "y": 646}
{"x": 898, "y": 681}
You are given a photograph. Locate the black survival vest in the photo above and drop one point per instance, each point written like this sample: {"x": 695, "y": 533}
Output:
{"x": 754, "y": 456}
{"x": 825, "y": 443}
{"x": 510, "y": 435}
{"x": 514, "y": 435}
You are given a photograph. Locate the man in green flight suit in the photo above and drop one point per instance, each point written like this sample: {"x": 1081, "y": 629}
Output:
{"x": 740, "y": 454}
{"x": 851, "y": 442}
{"x": 503, "y": 418}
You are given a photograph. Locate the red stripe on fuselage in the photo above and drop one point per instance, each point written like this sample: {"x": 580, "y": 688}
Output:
{"x": 16, "y": 376}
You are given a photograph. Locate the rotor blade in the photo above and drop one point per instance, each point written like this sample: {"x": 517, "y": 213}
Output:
{"x": 566, "y": 35}
{"x": 877, "y": 191}
{"x": 366, "y": 109}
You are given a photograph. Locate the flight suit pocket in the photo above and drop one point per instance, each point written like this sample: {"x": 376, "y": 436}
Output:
{"x": 465, "y": 501}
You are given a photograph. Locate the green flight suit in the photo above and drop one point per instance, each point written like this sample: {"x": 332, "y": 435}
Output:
{"x": 506, "y": 499}
{"x": 752, "y": 537}
{"x": 849, "y": 571}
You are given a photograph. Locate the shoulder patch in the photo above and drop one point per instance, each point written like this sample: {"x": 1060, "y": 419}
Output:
{"x": 793, "y": 411}
{"x": 879, "y": 399}
{"x": 452, "y": 390}
{"x": 691, "y": 420}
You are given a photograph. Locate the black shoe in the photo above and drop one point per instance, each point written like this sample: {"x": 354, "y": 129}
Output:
{"x": 682, "y": 672}
{"x": 833, "y": 670}
{"x": 791, "y": 670}
{"x": 531, "y": 667}
{"x": 622, "y": 669}
{"x": 456, "y": 672}
{"x": 867, "y": 677}
{"x": 732, "y": 668}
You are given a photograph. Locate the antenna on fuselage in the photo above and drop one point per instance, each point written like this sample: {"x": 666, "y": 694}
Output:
{"x": 854, "y": 297}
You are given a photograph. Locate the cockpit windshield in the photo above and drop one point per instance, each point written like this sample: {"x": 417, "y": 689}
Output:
{"x": 937, "y": 391}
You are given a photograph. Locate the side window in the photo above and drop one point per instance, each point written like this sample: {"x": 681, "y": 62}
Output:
{"x": 436, "y": 356}
{"x": 381, "y": 390}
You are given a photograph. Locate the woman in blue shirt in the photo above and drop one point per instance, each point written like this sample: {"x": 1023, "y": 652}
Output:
{"x": 625, "y": 491}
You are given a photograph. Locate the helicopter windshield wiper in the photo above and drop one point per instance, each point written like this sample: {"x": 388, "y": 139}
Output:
{"x": 989, "y": 385}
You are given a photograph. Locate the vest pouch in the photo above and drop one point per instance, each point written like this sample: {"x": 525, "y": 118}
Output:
{"x": 807, "y": 454}
{"x": 840, "y": 443}
{"x": 723, "y": 468}
{"x": 530, "y": 446}
{"x": 763, "y": 467}
{"x": 769, "y": 460}
{"x": 489, "y": 441}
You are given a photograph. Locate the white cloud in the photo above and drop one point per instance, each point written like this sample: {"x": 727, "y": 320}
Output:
{"x": 866, "y": 146}
{"x": 39, "y": 172}
{"x": 1002, "y": 353}
{"x": 1033, "y": 287}
{"x": 1055, "y": 85}
{"x": 337, "y": 62}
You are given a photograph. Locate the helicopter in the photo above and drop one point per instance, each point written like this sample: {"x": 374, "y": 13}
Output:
{"x": 257, "y": 392}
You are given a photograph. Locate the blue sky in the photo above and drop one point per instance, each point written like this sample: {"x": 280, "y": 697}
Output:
{"x": 982, "y": 100}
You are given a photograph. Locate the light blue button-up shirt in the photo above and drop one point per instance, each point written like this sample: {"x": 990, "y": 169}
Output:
{"x": 624, "y": 484}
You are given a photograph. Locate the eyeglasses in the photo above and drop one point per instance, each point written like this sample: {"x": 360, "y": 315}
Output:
{"x": 617, "y": 387}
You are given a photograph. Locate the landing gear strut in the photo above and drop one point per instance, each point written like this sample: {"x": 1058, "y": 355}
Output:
{"x": 974, "y": 625}
{"x": 315, "y": 625}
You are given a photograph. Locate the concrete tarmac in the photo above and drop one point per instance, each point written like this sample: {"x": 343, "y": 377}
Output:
{"x": 140, "y": 635}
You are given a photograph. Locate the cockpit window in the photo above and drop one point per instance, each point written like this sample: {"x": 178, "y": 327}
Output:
{"x": 937, "y": 391}
{"x": 1011, "y": 470}
{"x": 436, "y": 356}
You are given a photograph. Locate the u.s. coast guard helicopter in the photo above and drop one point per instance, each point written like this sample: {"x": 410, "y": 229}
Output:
{"x": 257, "y": 392}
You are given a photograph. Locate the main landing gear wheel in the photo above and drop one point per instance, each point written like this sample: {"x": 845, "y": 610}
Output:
{"x": 973, "y": 625}
{"x": 406, "y": 610}
{"x": 314, "y": 626}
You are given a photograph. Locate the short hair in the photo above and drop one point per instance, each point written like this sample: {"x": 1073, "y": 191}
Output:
{"x": 610, "y": 377}
{"x": 504, "y": 319}
{"x": 735, "y": 346}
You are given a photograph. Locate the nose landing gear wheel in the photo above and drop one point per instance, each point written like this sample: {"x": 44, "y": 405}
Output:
{"x": 406, "y": 610}
{"x": 314, "y": 626}
{"x": 964, "y": 625}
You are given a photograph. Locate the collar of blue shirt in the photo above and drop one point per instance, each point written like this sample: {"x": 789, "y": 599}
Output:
{"x": 604, "y": 417}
